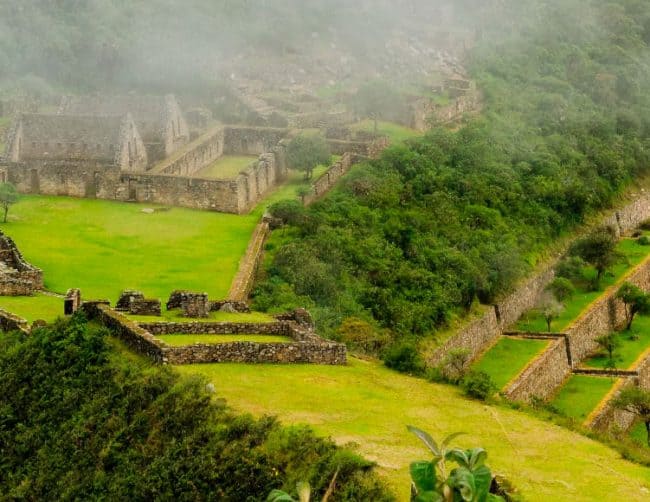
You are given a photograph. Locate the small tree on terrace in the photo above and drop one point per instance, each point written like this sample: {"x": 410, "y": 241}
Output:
{"x": 636, "y": 401}
{"x": 551, "y": 310}
{"x": 635, "y": 300}
{"x": 304, "y": 153}
{"x": 375, "y": 100}
{"x": 598, "y": 250}
{"x": 609, "y": 343}
{"x": 8, "y": 197}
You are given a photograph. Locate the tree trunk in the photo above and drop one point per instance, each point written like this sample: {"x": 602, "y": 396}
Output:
{"x": 6, "y": 211}
{"x": 647, "y": 431}
{"x": 548, "y": 324}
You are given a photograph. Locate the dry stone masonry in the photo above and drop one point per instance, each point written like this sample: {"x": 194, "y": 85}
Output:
{"x": 17, "y": 277}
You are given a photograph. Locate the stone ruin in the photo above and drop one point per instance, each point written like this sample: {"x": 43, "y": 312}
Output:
{"x": 72, "y": 301}
{"x": 17, "y": 277}
{"x": 194, "y": 305}
{"x": 135, "y": 303}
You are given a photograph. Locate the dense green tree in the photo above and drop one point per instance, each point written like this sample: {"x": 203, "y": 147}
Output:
{"x": 635, "y": 300}
{"x": 637, "y": 401}
{"x": 304, "y": 153}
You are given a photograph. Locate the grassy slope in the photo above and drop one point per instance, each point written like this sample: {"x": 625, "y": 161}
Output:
{"x": 370, "y": 405}
{"x": 581, "y": 394}
{"x": 508, "y": 357}
{"x": 103, "y": 247}
{"x": 397, "y": 133}
{"x": 181, "y": 340}
{"x": 226, "y": 167}
{"x": 633, "y": 253}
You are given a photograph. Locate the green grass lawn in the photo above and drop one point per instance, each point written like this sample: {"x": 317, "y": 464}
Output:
{"x": 104, "y": 247}
{"x": 396, "y": 132}
{"x": 182, "y": 340}
{"x": 581, "y": 394}
{"x": 226, "y": 167}
{"x": 176, "y": 316}
{"x": 634, "y": 254}
{"x": 508, "y": 357}
{"x": 630, "y": 349}
{"x": 367, "y": 404}
{"x": 32, "y": 308}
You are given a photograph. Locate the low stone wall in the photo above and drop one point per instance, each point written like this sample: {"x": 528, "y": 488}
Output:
{"x": 195, "y": 156}
{"x": 306, "y": 347}
{"x": 244, "y": 281}
{"x": 129, "y": 332}
{"x": 542, "y": 376}
{"x": 252, "y": 140}
{"x": 371, "y": 149}
{"x": 259, "y": 353}
{"x": 11, "y": 322}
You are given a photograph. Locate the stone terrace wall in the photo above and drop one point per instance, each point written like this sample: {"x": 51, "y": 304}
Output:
{"x": 370, "y": 149}
{"x": 17, "y": 278}
{"x": 329, "y": 178}
{"x": 11, "y": 322}
{"x": 252, "y": 140}
{"x": 547, "y": 372}
{"x": 129, "y": 332}
{"x": 307, "y": 347}
{"x": 543, "y": 375}
{"x": 259, "y": 353}
{"x": 244, "y": 281}
{"x": 606, "y": 416}
{"x": 624, "y": 220}
{"x": 192, "y": 158}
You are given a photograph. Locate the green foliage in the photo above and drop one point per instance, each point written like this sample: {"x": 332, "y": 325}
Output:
{"x": 609, "y": 343}
{"x": 635, "y": 300}
{"x": 598, "y": 250}
{"x": 637, "y": 401}
{"x": 469, "y": 481}
{"x": 643, "y": 240}
{"x": 379, "y": 100}
{"x": 79, "y": 422}
{"x": 304, "y": 153}
{"x": 404, "y": 356}
{"x": 562, "y": 289}
{"x": 8, "y": 197}
{"x": 478, "y": 385}
{"x": 571, "y": 269}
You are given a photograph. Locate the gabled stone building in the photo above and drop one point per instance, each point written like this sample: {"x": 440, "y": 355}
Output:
{"x": 110, "y": 141}
{"x": 159, "y": 118}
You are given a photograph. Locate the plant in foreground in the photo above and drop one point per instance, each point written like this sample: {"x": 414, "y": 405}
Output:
{"x": 469, "y": 481}
{"x": 304, "y": 492}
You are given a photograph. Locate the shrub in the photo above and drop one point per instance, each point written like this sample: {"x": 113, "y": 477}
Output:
{"x": 562, "y": 288}
{"x": 291, "y": 212}
{"x": 571, "y": 268}
{"x": 478, "y": 385}
{"x": 644, "y": 240}
{"x": 361, "y": 336}
{"x": 404, "y": 357}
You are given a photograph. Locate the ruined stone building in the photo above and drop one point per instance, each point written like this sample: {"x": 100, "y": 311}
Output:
{"x": 77, "y": 140}
{"x": 159, "y": 118}
{"x": 17, "y": 277}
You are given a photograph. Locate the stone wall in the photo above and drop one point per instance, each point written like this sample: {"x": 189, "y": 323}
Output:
{"x": 370, "y": 149}
{"x": 252, "y": 140}
{"x": 17, "y": 277}
{"x": 508, "y": 311}
{"x": 306, "y": 347}
{"x": 10, "y": 322}
{"x": 547, "y": 372}
{"x": 543, "y": 375}
{"x": 129, "y": 332}
{"x": 244, "y": 281}
{"x": 192, "y": 158}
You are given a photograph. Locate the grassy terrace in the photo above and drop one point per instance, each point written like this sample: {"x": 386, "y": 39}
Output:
{"x": 630, "y": 348}
{"x": 369, "y": 405}
{"x": 33, "y": 308}
{"x": 182, "y": 340}
{"x": 396, "y": 132}
{"x": 176, "y": 316}
{"x": 226, "y": 167}
{"x": 581, "y": 394}
{"x": 633, "y": 254}
{"x": 508, "y": 357}
{"x": 104, "y": 247}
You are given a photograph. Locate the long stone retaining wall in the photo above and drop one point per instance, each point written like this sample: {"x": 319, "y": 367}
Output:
{"x": 548, "y": 371}
{"x": 478, "y": 334}
{"x": 305, "y": 348}
{"x": 243, "y": 282}
{"x": 193, "y": 157}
